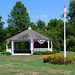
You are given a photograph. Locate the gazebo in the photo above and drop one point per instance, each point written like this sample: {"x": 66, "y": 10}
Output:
{"x": 27, "y": 42}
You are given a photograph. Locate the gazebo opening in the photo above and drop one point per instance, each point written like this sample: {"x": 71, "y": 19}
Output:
{"x": 22, "y": 47}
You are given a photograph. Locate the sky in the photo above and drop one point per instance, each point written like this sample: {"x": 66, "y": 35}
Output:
{"x": 44, "y": 10}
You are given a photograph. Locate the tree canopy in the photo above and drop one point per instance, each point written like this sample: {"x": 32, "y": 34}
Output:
{"x": 1, "y": 30}
{"x": 41, "y": 24}
{"x": 18, "y": 20}
{"x": 71, "y": 13}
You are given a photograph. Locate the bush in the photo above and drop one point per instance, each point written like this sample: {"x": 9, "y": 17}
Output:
{"x": 56, "y": 59}
{"x": 68, "y": 60}
{"x": 73, "y": 58}
{"x": 38, "y": 53}
{"x": 45, "y": 52}
{"x": 6, "y": 53}
{"x": 42, "y": 53}
{"x": 53, "y": 52}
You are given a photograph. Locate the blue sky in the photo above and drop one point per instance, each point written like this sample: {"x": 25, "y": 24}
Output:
{"x": 37, "y": 9}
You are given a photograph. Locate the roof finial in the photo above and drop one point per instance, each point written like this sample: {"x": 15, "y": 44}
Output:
{"x": 29, "y": 27}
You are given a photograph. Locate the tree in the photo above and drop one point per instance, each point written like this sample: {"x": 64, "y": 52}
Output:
{"x": 70, "y": 31}
{"x": 1, "y": 30}
{"x": 52, "y": 23}
{"x": 70, "y": 28}
{"x": 71, "y": 13}
{"x": 1, "y": 34}
{"x": 71, "y": 43}
{"x": 55, "y": 29}
{"x": 41, "y": 24}
{"x": 33, "y": 25}
{"x": 18, "y": 20}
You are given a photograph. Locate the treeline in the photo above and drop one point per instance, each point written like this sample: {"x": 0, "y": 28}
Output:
{"x": 19, "y": 20}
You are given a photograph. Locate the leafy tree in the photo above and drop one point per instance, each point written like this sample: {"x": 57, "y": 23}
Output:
{"x": 71, "y": 13}
{"x": 55, "y": 31}
{"x": 41, "y": 24}
{"x": 71, "y": 43}
{"x": 33, "y": 25}
{"x": 70, "y": 31}
{"x": 1, "y": 34}
{"x": 52, "y": 23}
{"x": 70, "y": 28}
{"x": 18, "y": 19}
{"x": 1, "y": 30}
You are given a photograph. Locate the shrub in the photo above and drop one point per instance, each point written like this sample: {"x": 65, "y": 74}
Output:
{"x": 47, "y": 52}
{"x": 6, "y": 53}
{"x": 53, "y": 52}
{"x": 68, "y": 60}
{"x": 56, "y": 59}
{"x": 73, "y": 58}
{"x": 38, "y": 53}
{"x": 42, "y": 53}
{"x": 47, "y": 58}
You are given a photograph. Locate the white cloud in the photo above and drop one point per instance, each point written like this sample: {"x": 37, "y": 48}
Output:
{"x": 42, "y": 16}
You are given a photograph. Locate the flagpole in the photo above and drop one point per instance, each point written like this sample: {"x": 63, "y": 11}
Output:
{"x": 64, "y": 38}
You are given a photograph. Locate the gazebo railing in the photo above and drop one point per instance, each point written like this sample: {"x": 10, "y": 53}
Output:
{"x": 22, "y": 51}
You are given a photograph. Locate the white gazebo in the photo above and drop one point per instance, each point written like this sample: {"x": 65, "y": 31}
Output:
{"x": 31, "y": 42}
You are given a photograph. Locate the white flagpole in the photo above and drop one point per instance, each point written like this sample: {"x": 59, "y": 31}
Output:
{"x": 64, "y": 38}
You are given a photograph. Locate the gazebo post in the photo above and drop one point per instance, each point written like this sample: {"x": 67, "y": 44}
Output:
{"x": 48, "y": 46}
{"x": 50, "y": 49}
{"x": 12, "y": 47}
{"x": 32, "y": 46}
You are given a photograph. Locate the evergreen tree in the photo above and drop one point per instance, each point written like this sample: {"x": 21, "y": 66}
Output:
{"x": 41, "y": 24}
{"x": 18, "y": 20}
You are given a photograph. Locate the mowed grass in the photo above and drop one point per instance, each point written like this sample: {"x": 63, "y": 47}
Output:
{"x": 33, "y": 65}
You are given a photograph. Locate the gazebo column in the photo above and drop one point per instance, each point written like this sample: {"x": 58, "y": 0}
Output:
{"x": 32, "y": 46}
{"x": 48, "y": 46}
{"x": 12, "y": 47}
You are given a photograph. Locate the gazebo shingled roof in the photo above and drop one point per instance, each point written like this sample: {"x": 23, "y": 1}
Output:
{"x": 28, "y": 35}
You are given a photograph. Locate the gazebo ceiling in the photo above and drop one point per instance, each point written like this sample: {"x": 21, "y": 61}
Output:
{"x": 28, "y": 35}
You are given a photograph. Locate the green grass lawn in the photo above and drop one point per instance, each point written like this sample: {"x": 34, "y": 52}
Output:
{"x": 33, "y": 65}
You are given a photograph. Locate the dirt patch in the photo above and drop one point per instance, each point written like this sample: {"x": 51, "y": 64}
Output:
{"x": 21, "y": 71}
{"x": 60, "y": 71}
{"x": 28, "y": 58}
{"x": 6, "y": 65}
{"x": 29, "y": 73}
{"x": 14, "y": 70}
{"x": 35, "y": 71}
{"x": 1, "y": 65}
